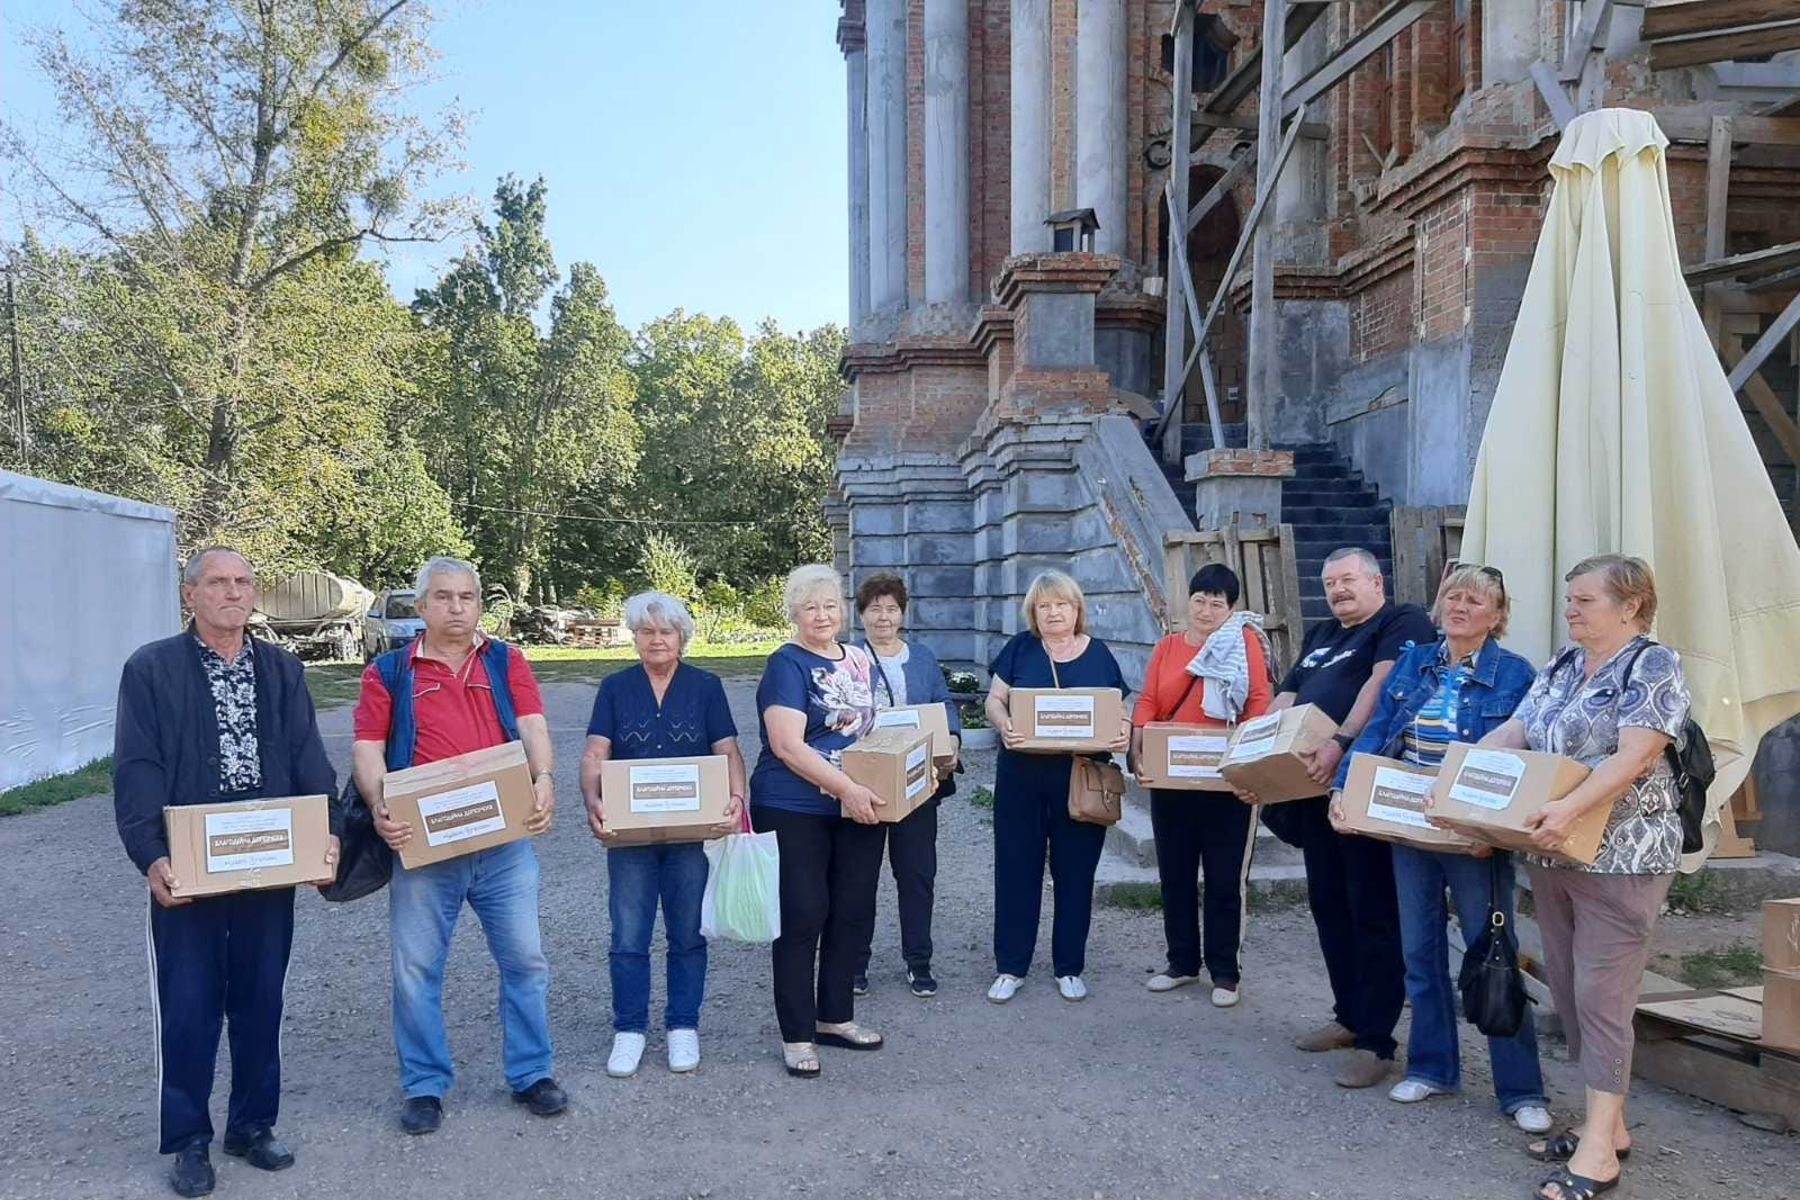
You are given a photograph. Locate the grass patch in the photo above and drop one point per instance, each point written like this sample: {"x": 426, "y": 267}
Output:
{"x": 982, "y": 798}
{"x": 1135, "y": 897}
{"x": 92, "y": 780}
{"x": 336, "y": 684}
{"x": 1738, "y": 965}
{"x": 1700, "y": 892}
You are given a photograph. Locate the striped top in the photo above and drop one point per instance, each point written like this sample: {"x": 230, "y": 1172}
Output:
{"x": 1426, "y": 739}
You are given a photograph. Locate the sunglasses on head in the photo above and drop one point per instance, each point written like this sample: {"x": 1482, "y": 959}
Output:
{"x": 1492, "y": 573}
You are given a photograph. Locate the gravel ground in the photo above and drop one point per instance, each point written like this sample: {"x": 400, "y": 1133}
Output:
{"x": 1126, "y": 1095}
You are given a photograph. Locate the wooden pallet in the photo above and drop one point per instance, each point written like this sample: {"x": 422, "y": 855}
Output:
{"x": 1708, "y": 1044}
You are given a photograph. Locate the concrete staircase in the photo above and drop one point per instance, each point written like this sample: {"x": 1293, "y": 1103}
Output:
{"x": 1329, "y": 506}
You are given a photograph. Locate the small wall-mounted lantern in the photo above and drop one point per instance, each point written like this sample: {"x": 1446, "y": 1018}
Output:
{"x": 1073, "y": 230}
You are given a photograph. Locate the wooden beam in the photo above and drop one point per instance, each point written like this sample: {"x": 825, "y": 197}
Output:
{"x": 1692, "y": 126}
{"x": 1765, "y": 345}
{"x": 1312, "y": 130}
{"x": 1766, "y": 401}
{"x": 1192, "y": 306}
{"x": 1562, "y": 110}
{"x": 1689, "y": 17}
{"x": 1220, "y": 189}
{"x": 1262, "y": 358}
{"x": 1745, "y": 266}
{"x": 1386, "y": 26}
{"x": 1585, "y": 39}
{"x": 1747, "y": 41}
{"x": 1174, "y": 322}
{"x": 1718, "y": 195}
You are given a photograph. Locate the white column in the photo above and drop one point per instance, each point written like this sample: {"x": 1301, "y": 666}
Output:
{"x": 1100, "y": 135}
{"x": 1030, "y": 125}
{"x": 946, "y": 150}
{"x": 886, "y": 25}
{"x": 856, "y": 72}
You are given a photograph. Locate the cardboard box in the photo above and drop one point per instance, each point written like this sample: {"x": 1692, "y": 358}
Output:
{"x": 460, "y": 805}
{"x": 1385, "y": 798}
{"x": 1264, "y": 755}
{"x": 1488, "y": 793}
{"x": 648, "y": 801}
{"x": 249, "y": 844}
{"x": 1183, "y": 757}
{"x": 895, "y": 764}
{"x": 1781, "y": 934}
{"x": 932, "y": 718}
{"x": 1781, "y": 1009}
{"x": 1066, "y": 720}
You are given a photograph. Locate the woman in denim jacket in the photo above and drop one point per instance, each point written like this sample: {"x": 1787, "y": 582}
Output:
{"x": 1455, "y": 690}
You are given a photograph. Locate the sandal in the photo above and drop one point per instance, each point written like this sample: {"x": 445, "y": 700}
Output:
{"x": 802, "y": 1059}
{"x": 849, "y": 1036}
{"x": 1570, "y": 1186}
{"x": 1560, "y": 1147}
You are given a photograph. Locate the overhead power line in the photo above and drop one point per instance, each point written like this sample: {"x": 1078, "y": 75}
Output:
{"x": 556, "y": 516}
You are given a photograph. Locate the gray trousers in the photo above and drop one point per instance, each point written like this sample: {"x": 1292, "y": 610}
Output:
{"x": 1596, "y": 931}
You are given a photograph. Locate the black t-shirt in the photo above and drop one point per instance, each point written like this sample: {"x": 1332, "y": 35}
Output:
{"x": 1335, "y": 662}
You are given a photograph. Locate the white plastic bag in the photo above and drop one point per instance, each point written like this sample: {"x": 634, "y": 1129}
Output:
{"x": 742, "y": 901}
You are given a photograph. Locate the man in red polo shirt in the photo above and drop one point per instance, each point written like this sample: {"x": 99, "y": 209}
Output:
{"x": 464, "y": 688}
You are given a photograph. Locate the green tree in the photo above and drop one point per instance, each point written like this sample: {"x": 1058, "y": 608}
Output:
{"x": 525, "y": 420}
{"x": 228, "y": 158}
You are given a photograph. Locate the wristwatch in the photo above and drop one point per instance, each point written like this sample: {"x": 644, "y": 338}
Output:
{"x": 1344, "y": 740}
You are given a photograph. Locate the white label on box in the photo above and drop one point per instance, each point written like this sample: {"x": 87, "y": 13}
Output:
{"x": 897, "y": 718}
{"x": 1195, "y": 756}
{"x": 458, "y": 815}
{"x": 672, "y": 787}
{"x": 1256, "y": 738}
{"x": 246, "y": 841}
{"x": 1063, "y": 717}
{"x": 1392, "y": 789}
{"x": 1488, "y": 779}
{"x": 918, "y": 769}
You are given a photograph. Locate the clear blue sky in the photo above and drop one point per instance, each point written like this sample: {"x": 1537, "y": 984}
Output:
{"x": 694, "y": 148}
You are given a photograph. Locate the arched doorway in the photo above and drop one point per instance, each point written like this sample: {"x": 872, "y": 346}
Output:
{"x": 1209, "y": 249}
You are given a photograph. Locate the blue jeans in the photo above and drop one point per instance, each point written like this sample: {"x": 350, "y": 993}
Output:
{"x": 636, "y": 878}
{"x": 1420, "y": 878}
{"x": 501, "y": 885}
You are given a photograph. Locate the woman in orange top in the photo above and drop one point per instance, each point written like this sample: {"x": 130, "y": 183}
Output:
{"x": 1200, "y": 832}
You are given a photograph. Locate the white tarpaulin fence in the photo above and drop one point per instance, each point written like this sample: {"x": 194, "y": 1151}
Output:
{"x": 85, "y": 579}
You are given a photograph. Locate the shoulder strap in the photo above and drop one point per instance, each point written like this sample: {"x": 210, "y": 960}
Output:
{"x": 1194, "y": 681}
{"x": 1055, "y": 679}
{"x": 395, "y": 668}
{"x": 496, "y": 657}
{"x": 1631, "y": 664}
{"x": 1563, "y": 660}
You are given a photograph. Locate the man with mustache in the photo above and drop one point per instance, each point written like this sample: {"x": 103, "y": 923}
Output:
{"x": 207, "y": 716}
{"x": 1350, "y": 879}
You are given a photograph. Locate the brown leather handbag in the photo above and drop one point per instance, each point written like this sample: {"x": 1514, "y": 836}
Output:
{"x": 1096, "y": 791}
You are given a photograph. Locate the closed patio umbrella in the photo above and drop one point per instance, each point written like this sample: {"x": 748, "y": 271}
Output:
{"x": 1613, "y": 430}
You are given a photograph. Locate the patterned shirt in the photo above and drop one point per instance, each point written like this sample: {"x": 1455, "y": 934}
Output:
{"x": 234, "y": 701}
{"x": 1566, "y": 714}
{"x": 1426, "y": 739}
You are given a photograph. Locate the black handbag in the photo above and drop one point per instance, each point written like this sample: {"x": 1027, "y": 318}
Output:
{"x": 365, "y": 862}
{"x": 1492, "y": 983}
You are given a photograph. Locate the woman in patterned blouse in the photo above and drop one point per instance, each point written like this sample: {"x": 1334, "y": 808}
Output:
{"x": 1614, "y": 700}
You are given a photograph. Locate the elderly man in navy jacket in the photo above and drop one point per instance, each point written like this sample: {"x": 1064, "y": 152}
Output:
{"x": 205, "y": 716}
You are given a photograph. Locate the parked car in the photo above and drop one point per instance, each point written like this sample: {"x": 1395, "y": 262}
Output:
{"x": 390, "y": 623}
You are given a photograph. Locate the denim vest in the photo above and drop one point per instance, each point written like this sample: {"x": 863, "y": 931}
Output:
{"x": 403, "y": 727}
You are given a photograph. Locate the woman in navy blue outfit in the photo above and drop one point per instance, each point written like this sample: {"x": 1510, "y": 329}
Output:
{"x": 1031, "y": 793}
{"x": 906, "y": 673}
{"x": 661, "y": 708}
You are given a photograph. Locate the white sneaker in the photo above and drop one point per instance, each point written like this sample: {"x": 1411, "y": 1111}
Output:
{"x": 684, "y": 1050}
{"x": 1071, "y": 987}
{"x": 1411, "y": 1091}
{"x": 1224, "y": 997}
{"x": 627, "y": 1050}
{"x": 1533, "y": 1118}
{"x": 1165, "y": 982}
{"x": 1004, "y": 988}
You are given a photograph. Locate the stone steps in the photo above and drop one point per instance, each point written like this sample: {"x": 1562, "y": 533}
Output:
{"x": 1127, "y": 874}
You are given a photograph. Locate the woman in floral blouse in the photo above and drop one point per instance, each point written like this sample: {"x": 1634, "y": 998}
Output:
{"x": 1614, "y": 700}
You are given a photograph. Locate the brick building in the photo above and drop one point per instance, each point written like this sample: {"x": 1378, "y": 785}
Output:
{"x": 999, "y": 391}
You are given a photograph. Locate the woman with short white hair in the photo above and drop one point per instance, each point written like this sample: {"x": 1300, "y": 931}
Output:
{"x": 1031, "y": 793}
{"x": 816, "y": 699}
{"x": 660, "y": 708}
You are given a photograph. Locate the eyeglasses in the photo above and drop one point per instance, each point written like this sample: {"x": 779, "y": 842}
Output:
{"x": 1492, "y": 573}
